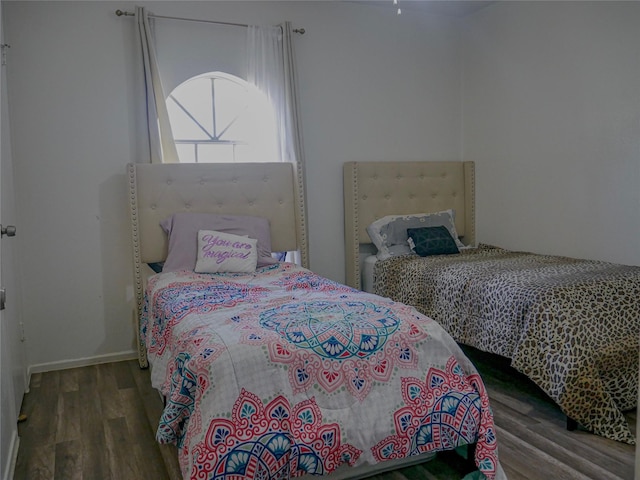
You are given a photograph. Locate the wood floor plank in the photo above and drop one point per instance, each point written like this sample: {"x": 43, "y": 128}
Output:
{"x": 556, "y": 452}
{"x": 68, "y": 460}
{"x": 107, "y": 382}
{"x": 68, "y": 416}
{"x": 103, "y": 425}
{"x": 122, "y": 374}
{"x": 543, "y": 411}
{"x": 581, "y": 447}
{"x": 69, "y": 380}
{"x": 151, "y": 467}
{"x": 553, "y": 468}
{"x": 418, "y": 472}
{"x": 519, "y": 401}
{"x": 91, "y": 416}
{"x": 150, "y": 397}
{"x": 135, "y": 416}
{"x": 438, "y": 469}
{"x": 123, "y": 462}
{"x": 35, "y": 379}
{"x": 95, "y": 461}
{"x": 153, "y": 406}
{"x": 140, "y": 432}
{"x": 44, "y": 412}
{"x": 40, "y": 465}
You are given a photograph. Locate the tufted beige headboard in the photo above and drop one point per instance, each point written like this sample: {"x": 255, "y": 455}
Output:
{"x": 156, "y": 191}
{"x": 373, "y": 190}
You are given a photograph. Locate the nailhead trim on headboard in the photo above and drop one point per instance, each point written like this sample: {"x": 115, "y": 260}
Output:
{"x": 373, "y": 190}
{"x": 271, "y": 190}
{"x": 470, "y": 202}
{"x": 354, "y": 230}
{"x": 301, "y": 211}
{"x": 137, "y": 264}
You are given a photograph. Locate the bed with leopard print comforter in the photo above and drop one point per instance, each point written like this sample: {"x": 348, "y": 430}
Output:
{"x": 572, "y": 326}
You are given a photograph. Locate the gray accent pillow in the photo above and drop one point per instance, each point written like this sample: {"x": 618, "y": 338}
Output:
{"x": 389, "y": 234}
{"x": 182, "y": 230}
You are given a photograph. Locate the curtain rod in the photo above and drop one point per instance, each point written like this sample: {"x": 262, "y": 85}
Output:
{"x": 121, "y": 13}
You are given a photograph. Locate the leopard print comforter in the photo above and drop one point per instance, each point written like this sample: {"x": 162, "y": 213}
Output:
{"x": 572, "y": 326}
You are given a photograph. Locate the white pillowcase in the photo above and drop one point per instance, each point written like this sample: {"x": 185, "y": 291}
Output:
{"x": 224, "y": 252}
{"x": 389, "y": 234}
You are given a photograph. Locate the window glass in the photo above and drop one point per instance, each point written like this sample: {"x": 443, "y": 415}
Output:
{"x": 213, "y": 121}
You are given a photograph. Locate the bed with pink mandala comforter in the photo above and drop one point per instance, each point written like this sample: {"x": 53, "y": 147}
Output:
{"x": 281, "y": 373}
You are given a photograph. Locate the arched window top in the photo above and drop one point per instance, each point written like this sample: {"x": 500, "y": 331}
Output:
{"x": 215, "y": 118}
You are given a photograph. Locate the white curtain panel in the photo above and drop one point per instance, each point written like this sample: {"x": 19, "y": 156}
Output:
{"x": 267, "y": 106}
{"x": 162, "y": 148}
{"x": 271, "y": 71}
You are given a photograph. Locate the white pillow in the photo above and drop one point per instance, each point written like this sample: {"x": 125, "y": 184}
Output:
{"x": 225, "y": 252}
{"x": 389, "y": 234}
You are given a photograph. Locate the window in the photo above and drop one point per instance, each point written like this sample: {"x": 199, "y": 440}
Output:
{"x": 217, "y": 117}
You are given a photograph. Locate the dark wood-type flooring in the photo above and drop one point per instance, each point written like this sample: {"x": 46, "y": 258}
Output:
{"x": 98, "y": 423}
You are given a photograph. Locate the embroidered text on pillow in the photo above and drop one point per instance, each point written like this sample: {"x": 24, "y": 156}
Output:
{"x": 237, "y": 249}
{"x": 220, "y": 252}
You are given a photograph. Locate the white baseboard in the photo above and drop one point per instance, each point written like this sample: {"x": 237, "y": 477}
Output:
{"x": 13, "y": 457}
{"x": 82, "y": 362}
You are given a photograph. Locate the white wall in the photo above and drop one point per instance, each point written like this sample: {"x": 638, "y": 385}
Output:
{"x": 71, "y": 84}
{"x": 552, "y": 118}
{"x": 374, "y": 86}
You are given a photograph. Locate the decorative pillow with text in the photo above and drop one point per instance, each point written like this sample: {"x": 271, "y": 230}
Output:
{"x": 220, "y": 252}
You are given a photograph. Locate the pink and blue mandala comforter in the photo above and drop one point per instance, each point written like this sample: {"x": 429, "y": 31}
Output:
{"x": 282, "y": 373}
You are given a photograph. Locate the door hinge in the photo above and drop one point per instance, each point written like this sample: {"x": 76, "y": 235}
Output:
{"x": 9, "y": 231}
{"x": 3, "y": 53}
{"x": 22, "y": 337}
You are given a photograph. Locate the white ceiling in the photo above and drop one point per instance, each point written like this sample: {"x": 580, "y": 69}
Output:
{"x": 454, "y": 8}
